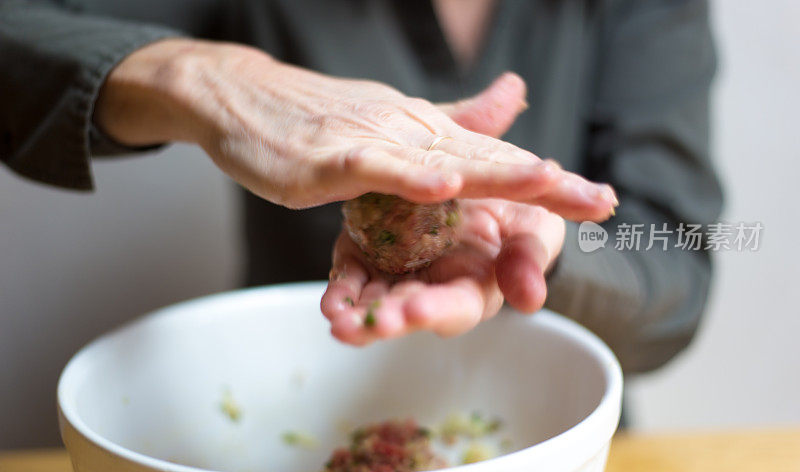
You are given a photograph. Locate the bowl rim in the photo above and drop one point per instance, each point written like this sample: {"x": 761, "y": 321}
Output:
{"x": 602, "y": 422}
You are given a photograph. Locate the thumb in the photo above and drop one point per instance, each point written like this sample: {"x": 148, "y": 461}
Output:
{"x": 520, "y": 269}
{"x": 529, "y": 249}
{"x": 493, "y": 111}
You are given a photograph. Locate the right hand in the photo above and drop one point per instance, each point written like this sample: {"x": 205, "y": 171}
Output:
{"x": 300, "y": 139}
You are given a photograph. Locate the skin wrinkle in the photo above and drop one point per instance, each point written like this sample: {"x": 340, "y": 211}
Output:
{"x": 415, "y": 117}
{"x": 377, "y": 126}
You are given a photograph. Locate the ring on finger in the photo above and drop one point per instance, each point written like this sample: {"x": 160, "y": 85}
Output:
{"x": 436, "y": 141}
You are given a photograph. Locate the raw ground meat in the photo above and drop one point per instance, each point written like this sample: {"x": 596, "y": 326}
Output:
{"x": 391, "y": 446}
{"x": 398, "y": 236}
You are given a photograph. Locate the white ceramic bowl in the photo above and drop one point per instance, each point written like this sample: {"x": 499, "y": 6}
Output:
{"x": 147, "y": 396}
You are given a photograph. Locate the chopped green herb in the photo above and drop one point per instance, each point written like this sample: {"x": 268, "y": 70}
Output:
{"x": 452, "y": 218}
{"x": 229, "y": 407}
{"x": 494, "y": 426}
{"x": 370, "y": 319}
{"x": 387, "y": 237}
{"x": 434, "y": 231}
{"x": 349, "y": 301}
{"x": 295, "y": 438}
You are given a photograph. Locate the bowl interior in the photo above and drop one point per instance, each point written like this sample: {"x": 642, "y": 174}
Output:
{"x": 156, "y": 387}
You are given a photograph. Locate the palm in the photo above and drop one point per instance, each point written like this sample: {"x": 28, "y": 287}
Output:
{"x": 504, "y": 249}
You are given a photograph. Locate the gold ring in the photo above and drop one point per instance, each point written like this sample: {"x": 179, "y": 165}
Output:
{"x": 436, "y": 141}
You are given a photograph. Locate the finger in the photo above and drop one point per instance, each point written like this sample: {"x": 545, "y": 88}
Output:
{"x": 356, "y": 325}
{"x": 577, "y": 199}
{"x": 378, "y": 315}
{"x": 390, "y": 318}
{"x": 345, "y": 284}
{"x": 349, "y": 328}
{"x": 494, "y": 110}
{"x": 447, "y": 309}
{"x": 346, "y": 279}
{"x": 571, "y": 196}
{"x": 487, "y": 179}
{"x": 520, "y": 271}
{"x": 371, "y": 168}
{"x": 373, "y": 291}
{"x": 498, "y": 145}
{"x": 472, "y": 152}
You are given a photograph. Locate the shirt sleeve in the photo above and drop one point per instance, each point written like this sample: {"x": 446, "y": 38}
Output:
{"x": 649, "y": 132}
{"x": 54, "y": 61}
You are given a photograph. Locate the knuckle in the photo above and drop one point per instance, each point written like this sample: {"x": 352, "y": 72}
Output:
{"x": 477, "y": 153}
{"x": 431, "y": 158}
{"x": 325, "y": 121}
{"x": 353, "y": 161}
{"x": 493, "y": 155}
{"x": 350, "y": 162}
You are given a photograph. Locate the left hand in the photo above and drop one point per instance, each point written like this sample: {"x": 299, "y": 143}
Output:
{"x": 504, "y": 252}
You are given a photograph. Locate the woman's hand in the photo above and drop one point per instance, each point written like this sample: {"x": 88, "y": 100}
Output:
{"x": 505, "y": 250}
{"x": 300, "y": 139}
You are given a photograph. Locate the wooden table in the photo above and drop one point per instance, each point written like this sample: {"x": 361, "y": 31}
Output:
{"x": 757, "y": 451}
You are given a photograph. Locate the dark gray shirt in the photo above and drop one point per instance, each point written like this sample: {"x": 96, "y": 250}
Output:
{"x": 619, "y": 92}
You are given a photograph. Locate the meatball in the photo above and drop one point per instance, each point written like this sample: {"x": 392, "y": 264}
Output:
{"x": 392, "y": 446}
{"x": 398, "y": 236}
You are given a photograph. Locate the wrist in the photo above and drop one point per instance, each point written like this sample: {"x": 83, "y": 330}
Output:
{"x": 164, "y": 92}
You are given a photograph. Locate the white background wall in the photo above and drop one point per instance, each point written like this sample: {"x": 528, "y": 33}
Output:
{"x": 165, "y": 228}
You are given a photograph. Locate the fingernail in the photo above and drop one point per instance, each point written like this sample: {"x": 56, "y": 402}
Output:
{"x": 523, "y": 105}
{"x": 613, "y": 212}
{"x": 612, "y": 195}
